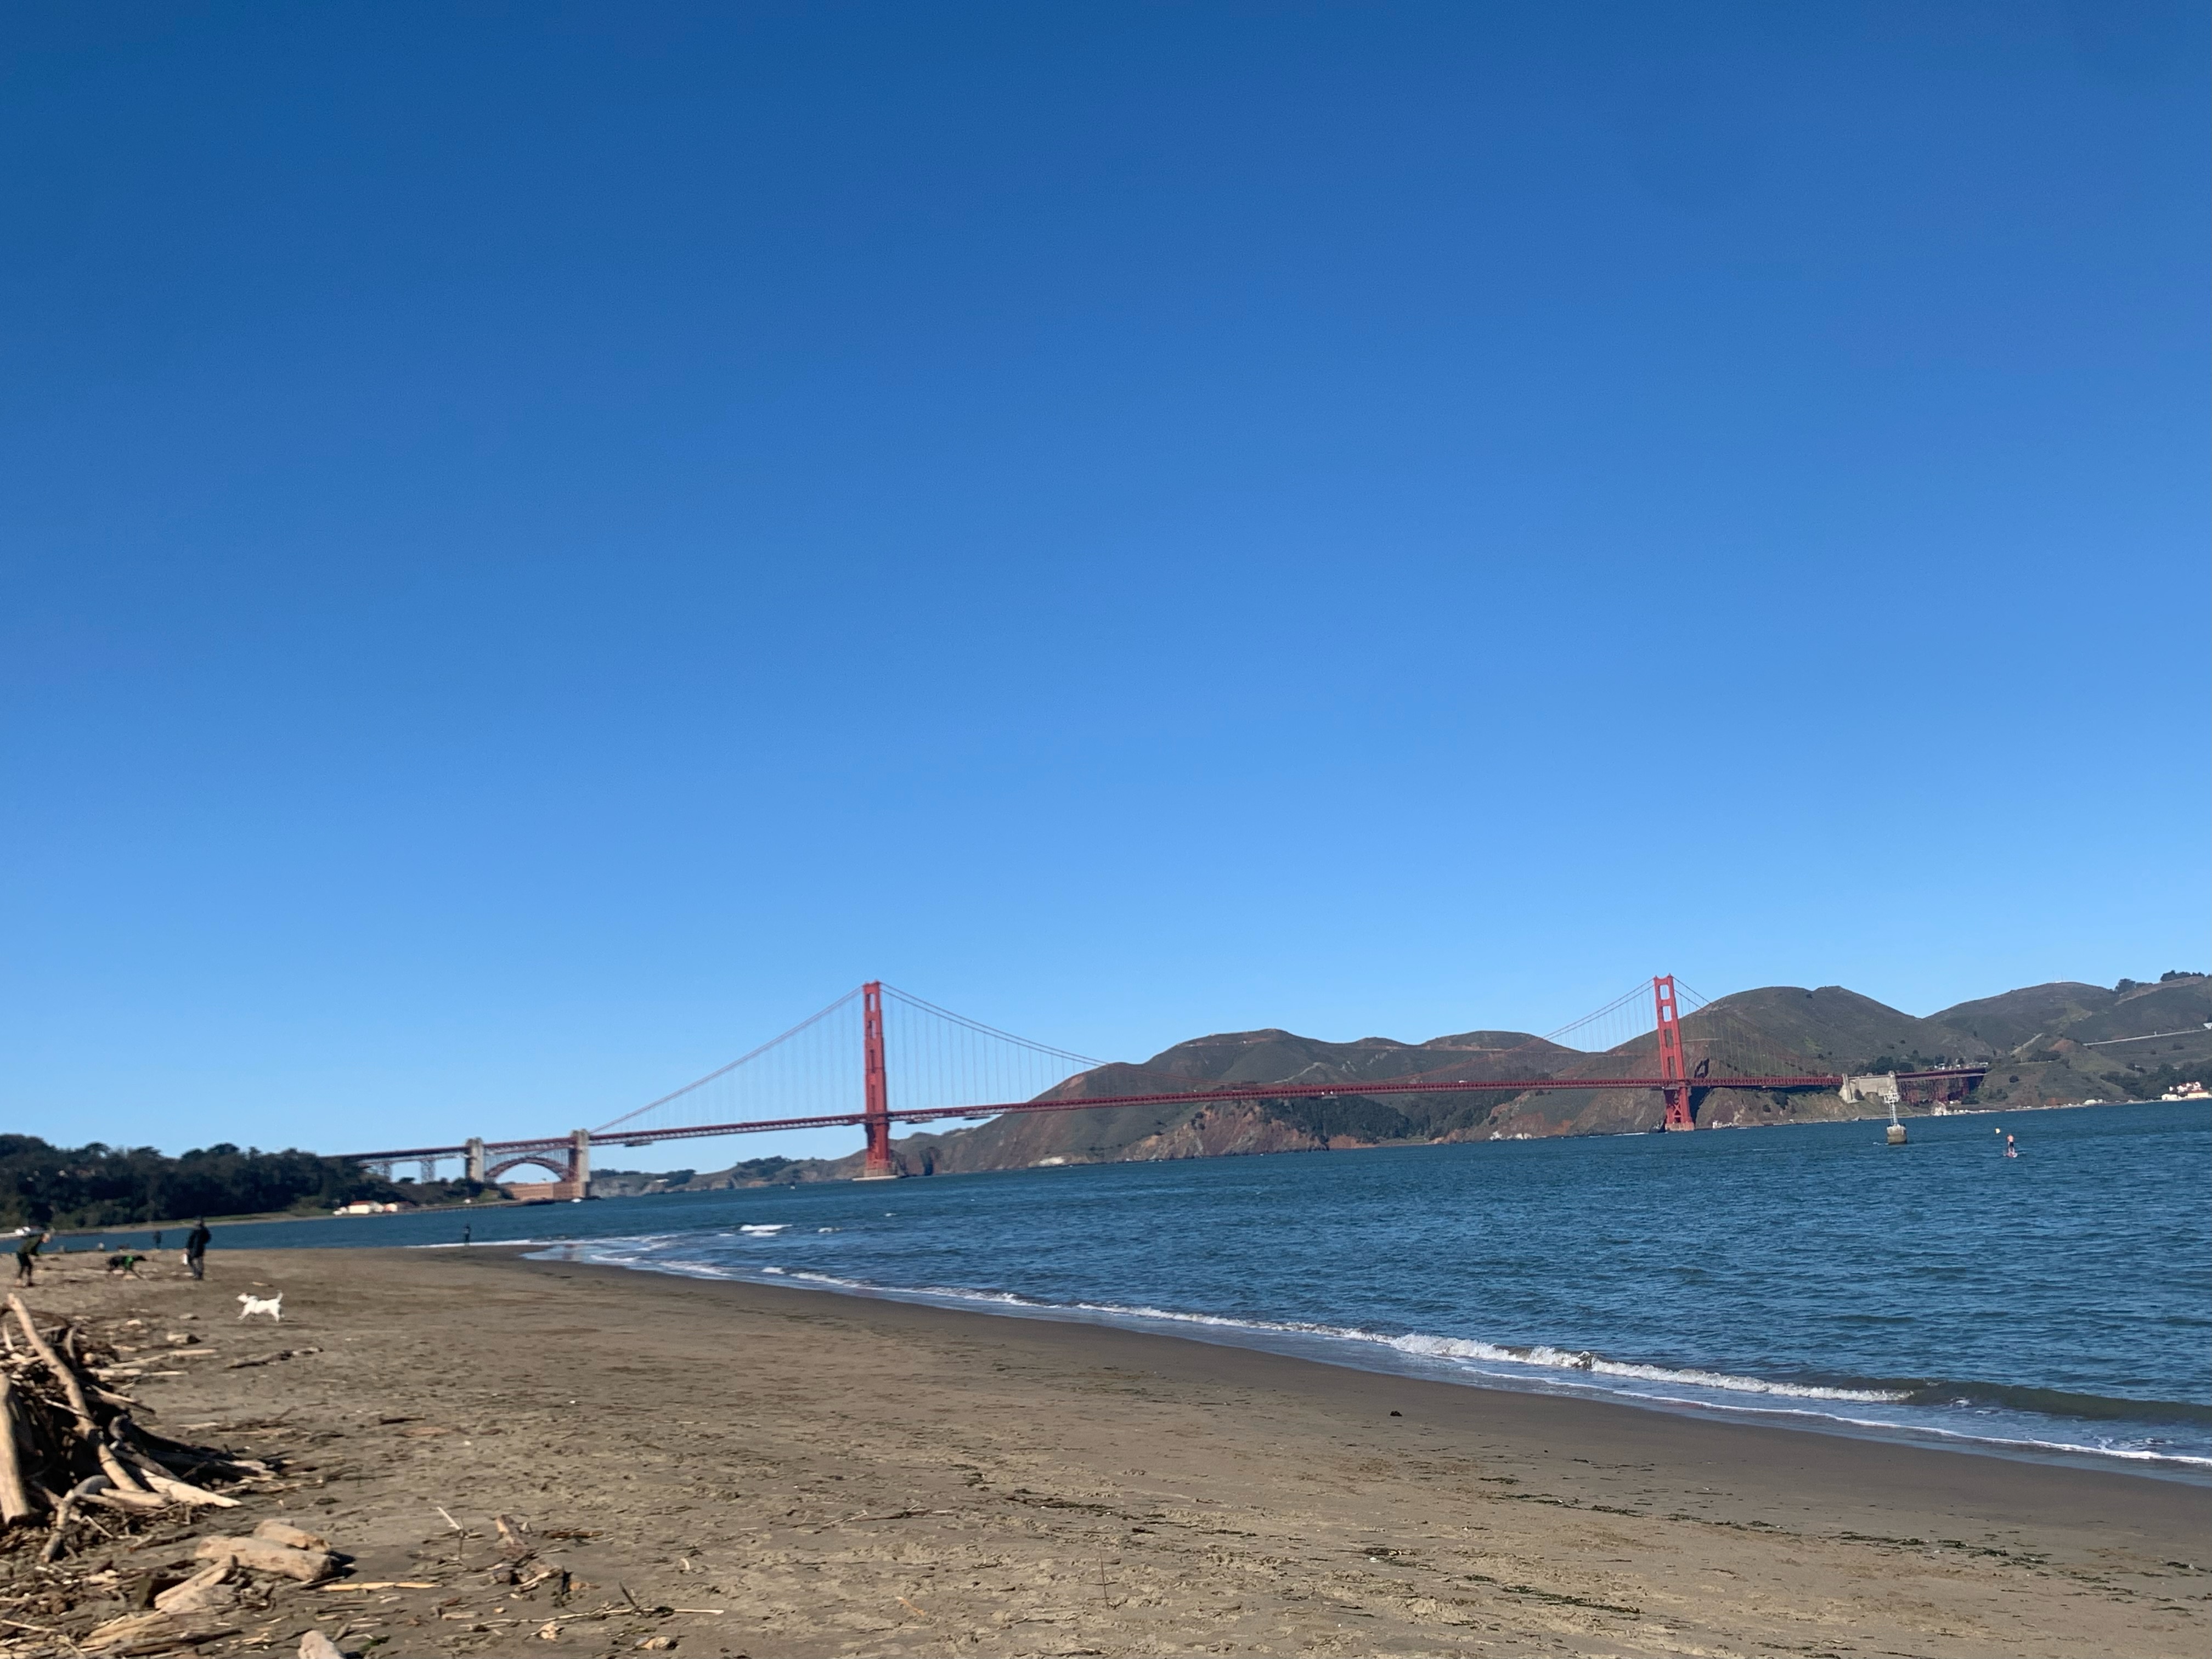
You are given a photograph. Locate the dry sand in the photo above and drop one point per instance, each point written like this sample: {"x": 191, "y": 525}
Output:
{"x": 799, "y": 1472}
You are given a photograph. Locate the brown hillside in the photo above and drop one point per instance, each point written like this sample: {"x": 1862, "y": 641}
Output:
{"x": 2049, "y": 1044}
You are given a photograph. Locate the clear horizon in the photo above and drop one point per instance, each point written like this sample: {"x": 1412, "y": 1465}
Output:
{"x": 543, "y": 545}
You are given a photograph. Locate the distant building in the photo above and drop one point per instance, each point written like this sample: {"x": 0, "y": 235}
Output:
{"x": 1880, "y": 1087}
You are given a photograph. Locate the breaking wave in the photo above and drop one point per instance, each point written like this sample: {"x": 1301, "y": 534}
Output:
{"x": 1591, "y": 1364}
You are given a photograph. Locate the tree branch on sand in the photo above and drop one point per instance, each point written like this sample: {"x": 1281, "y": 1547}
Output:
{"x": 67, "y": 1444}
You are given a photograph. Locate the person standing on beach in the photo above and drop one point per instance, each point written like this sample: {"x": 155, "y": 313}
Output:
{"x": 196, "y": 1243}
{"x": 26, "y": 1255}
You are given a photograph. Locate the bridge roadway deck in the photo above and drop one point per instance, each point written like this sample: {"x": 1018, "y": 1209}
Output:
{"x": 1270, "y": 1092}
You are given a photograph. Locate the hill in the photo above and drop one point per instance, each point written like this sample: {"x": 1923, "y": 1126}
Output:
{"x": 2047, "y": 1044}
{"x": 2055, "y": 1043}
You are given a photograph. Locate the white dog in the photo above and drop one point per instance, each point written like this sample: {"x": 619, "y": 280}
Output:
{"x": 271, "y": 1306}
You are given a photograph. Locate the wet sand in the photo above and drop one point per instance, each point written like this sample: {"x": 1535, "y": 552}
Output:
{"x": 801, "y": 1472}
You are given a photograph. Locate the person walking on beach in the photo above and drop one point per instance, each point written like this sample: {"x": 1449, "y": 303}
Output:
{"x": 196, "y": 1243}
{"x": 26, "y": 1255}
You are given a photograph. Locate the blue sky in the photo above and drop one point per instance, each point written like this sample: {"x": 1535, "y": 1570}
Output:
{"x": 542, "y": 543}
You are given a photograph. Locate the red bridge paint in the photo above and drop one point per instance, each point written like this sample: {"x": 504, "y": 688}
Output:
{"x": 567, "y": 1156}
{"x": 1675, "y": 1091}
{"x": 876, "y": 1118}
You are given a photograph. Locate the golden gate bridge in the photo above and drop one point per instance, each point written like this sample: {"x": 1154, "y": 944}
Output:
{"x": 951, "y": 1068}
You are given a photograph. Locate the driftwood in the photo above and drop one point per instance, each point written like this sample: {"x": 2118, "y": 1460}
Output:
{"x": 109, "y": 1496}
{"x": 270, "y": 1358}
{"x": 159, "y": 1479}
{"x": 292, "y": 1537}
{"x": 68, "y": 1446}
{"x": 156, "y": 1632}
{"x": 205, "y": 1591}
{"x": 176, "y": 1454}
{"x": 357, "y": 1585}
{"x": 267, "y": 1555}
{"x": 65, "y": 1375}
{"x": 64, "y": 1507}
{"x": 112, "y": 1466}
{"x": 16, "y": 1502}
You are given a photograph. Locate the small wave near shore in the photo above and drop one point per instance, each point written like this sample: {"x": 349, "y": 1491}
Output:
{"x": 2149, "y": 1437}
{"x": 2046, "y": 1306}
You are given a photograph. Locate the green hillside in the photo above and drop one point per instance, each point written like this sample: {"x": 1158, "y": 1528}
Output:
{"x": 1242, "y": 1060}
{"x": 2053, "y": 1043}
{"x": 1840, "y": 1029}
{"x": 2047, "y": 1045}
{"x": 2002, "y": 1023}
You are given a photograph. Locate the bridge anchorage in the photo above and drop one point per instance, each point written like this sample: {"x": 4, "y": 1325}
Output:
{"x": 951, "y": 1068}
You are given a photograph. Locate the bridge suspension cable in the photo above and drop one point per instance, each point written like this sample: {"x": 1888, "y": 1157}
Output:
{"x": 811, "y": 1062}
{"x": 933, "y": 1059}
{"x": 879, "y": 1055}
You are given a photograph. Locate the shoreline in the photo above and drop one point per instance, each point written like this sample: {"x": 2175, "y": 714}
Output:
{"x": 1989, "y": 1400}
{"x": 487, "y": 1205}
{"x": 1365, "y": 1352}
{"x": 266, "y": 1218}
{"x": 759, "y": 1469}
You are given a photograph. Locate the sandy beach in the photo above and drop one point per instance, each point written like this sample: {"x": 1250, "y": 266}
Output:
{"x": 723, "y": 1469}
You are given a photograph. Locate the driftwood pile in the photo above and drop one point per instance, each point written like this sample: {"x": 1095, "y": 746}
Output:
{"x": 69, "y": 1446}
{"x": 205, "y": 1606}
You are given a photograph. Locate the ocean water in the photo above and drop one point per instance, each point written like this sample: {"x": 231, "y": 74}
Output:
{"x": 2057, "y": 1304}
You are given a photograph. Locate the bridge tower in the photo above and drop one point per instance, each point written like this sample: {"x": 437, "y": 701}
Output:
{"x": 1674, "y": 1072}
{"x": 878, "y": 1094}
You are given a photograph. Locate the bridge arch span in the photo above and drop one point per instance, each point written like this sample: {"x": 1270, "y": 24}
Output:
{"x": 570, "y": 1166}
{"x": 558, "y": 1166}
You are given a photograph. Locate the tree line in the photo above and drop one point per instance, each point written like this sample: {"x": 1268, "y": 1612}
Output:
{"x": 96, "y": 1185}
